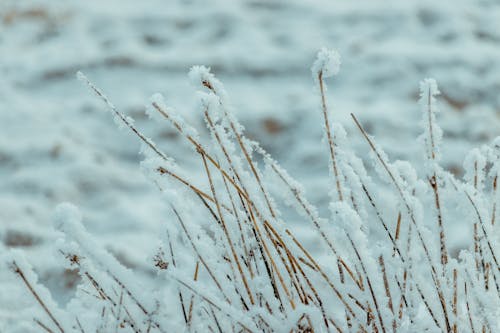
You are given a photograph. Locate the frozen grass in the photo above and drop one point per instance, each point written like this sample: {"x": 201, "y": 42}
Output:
{"x": 239, "y": 267}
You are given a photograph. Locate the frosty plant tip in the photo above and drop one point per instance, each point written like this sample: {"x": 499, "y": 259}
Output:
{"x": 388, "y": 265}
{"x": 327, "y": 63}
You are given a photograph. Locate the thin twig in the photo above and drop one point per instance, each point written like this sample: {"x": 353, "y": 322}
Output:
{"x": 19, "y": 272}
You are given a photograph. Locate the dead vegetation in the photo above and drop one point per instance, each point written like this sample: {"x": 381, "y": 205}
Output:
{"x": 242, "y": 268}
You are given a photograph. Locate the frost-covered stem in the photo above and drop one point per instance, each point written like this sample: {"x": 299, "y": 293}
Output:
{"x": 384, "y": 225}
{"x": 226, "y": 232}
{"x": 408, "y": 286}
{"x": 311, "y": 213}
{"x": 174, "y": 264}
{"x": 269, "y": 256}
{"x": 241, "y": 139}
{"x": 216, "y": 320}
{"x": 131, "y": 322}
{"x": 73, "y": 229}
{"x": 213, "y": 130}
{"x": 272, "y": 269}
{"x": 488, "y": 242}
{"x": 469, "y": 315}
{"x": 79, "y": 325}
{"x": 316, "y": 295}
{"x": 334, "y": 324}
{"x": 477, "y": 248}
{"x": 43, "y": 326}
{"x": 397, "y": 232}
{"x": 102, "y": 293}
{"x": 196, "y": 190}
{"x": 365, "y": 308}
{"x": 444, "y": 253}
{"x": 495, "y": 280}
{"x": 494, "y": 210}
{"x": 240, "y": 224}
{"x": 387, "y": 290}
{"x": 199, "y": 147}
{"x": 291, "y": 270}
{"x": 481, "y": 223}
{"x": 483, "y": 317}
{"x": 402, "y": 290}
{"x": 148, "y": 142}
{"x": 242, "y": 193}
{"x": 269, "y": 262}
{"x": 276, "y": 270}
{"x": 211, "y": 302}
{"x": 475, "y": 175}
{"x": 205, "y": 155}
{"x": 279, "y": 245}
{"x": 429, "y": 309}
{"x": 247, "y": 205}
{"x": 198, "y": 254}
{"x": 329, "y": 135}
{"x": 136, "y": 301}
{"x": 118, "y": 316}
{"x": 430, "y": 115}
{"x": 381, "y": 160}
{"x": 191, "y": 302}
{"x": 267, "y": 226}
{"x": 368, "y": 281}
{"x": 295, "y": 264}
{"x": 398, "y": 226}
{"x": 303, "y": 202}
{"x": 486, "y": 275}
{"x": 437, "y": 283}
{"x": 433, "y": 179}
{"x": 324, "y": 276}
{"x": 32, "y": 290}
{"x": 250, "y": 220}
{"x": 121, "y": 116}
{"x": 455, "y": 300}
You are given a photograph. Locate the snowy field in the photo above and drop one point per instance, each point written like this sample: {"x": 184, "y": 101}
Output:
{"x": 58, "y": 144}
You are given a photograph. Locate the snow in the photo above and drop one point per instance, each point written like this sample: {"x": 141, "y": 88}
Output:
{"x": 327, "y": 62}
{"x": 66, "y": 213}
{"x": 474, "y": 166}
{"x": 57, "y": 144}
{"x": 432, "y": 136}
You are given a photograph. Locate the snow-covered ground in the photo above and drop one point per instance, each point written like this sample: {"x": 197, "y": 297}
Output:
{"x": 58, "y": 144}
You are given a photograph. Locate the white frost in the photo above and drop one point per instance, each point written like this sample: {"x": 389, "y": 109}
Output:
{"x": 327, "y": 62}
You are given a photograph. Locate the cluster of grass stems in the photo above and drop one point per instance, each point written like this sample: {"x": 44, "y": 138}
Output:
{"x": 386, "y": 264}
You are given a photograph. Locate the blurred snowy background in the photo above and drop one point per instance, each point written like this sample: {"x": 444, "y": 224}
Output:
{"x": 57, "y": 143}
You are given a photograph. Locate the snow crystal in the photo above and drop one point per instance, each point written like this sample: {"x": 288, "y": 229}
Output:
{"x": 201, "y": 77}
{"x": 66, "y": 213}
{"x": 130, "y": 120}
{"x": 432, "y": 135}
{"x": 210, "y": 103}
{"x": 428, "y": 87}
{"x": 198, "y": 74}
{"x": 17, "y": 262}
{"x": 407, "y": 172}
{"x": 158, "y": 110}
{"x": 151, "y": 112}
{"x": 474, "y": 165}
{"x": 67, "y": 219}
{"x": 81, "y": 77}
{"x": 327, "y": 62}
